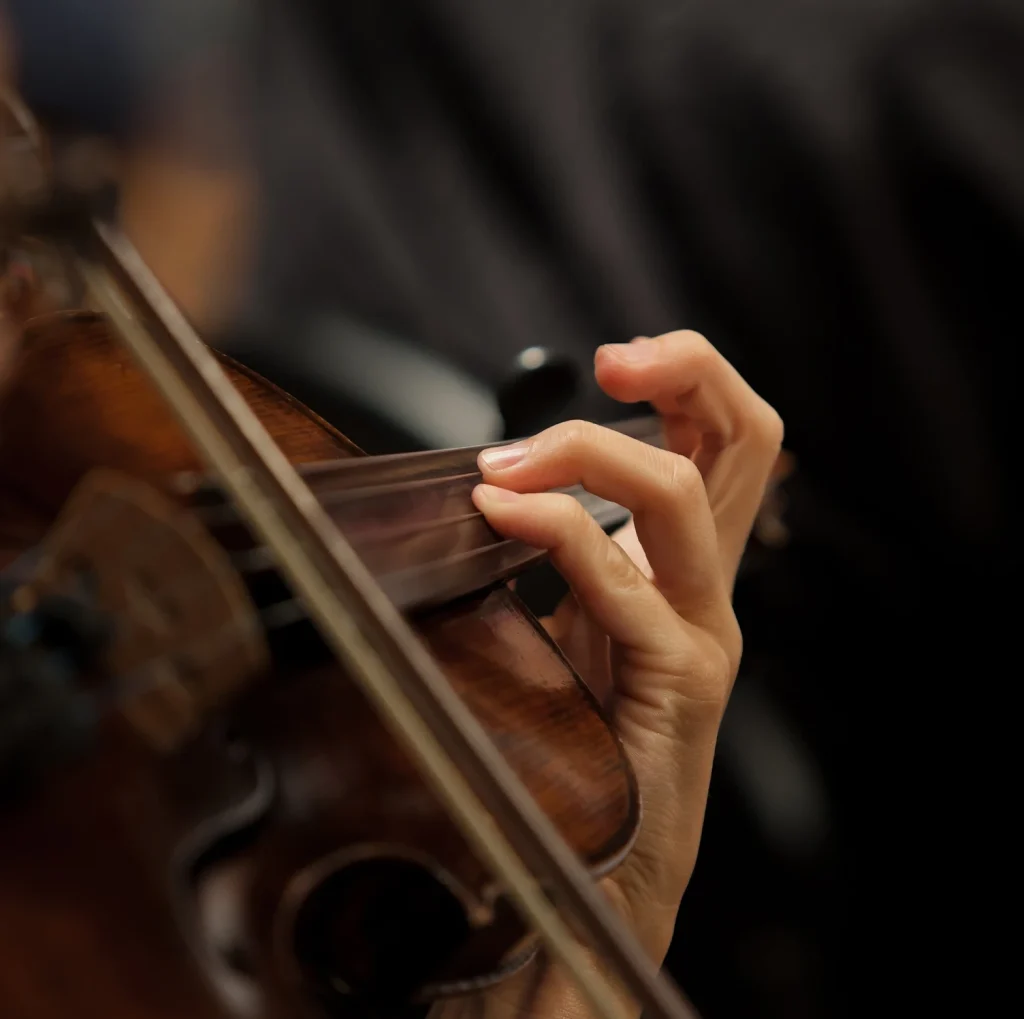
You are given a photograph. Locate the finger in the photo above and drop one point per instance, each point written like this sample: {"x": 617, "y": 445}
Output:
{"x": 657, "y": 646}
{"x": 689, "y": 382}
{"x": 711, "y": 415}
{"x": 626, "y": 538}
{"x": 604, "y": 580}
{"x": 672, "y": 680}
{"x": 664, "y": 492}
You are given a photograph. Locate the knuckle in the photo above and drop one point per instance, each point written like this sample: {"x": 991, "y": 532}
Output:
{"x": 674, "y": 478}
{"x": 705, "y": 690}
{"x": 687, "y": 338}
{"x": 683, "y": 480}
{"x": 695, "y": 678}
{"x": 701, "y": 354}
{"x": 621, "y": 570}
{"x": 708, "y": 671}
{"x": 574, "y": 436}
{"x": 568, "y": 513}
{"x": 694, "y": 715}
{"x": 689, "y": 702}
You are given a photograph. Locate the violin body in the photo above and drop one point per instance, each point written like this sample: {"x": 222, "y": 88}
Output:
{"x": 282, "y": 856}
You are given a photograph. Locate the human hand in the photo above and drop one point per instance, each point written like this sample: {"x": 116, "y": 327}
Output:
{"x": 711, "y": 416}
{"x": 650, "y": 618}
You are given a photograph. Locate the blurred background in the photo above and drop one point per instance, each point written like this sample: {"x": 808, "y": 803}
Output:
{"x": 461, "y": 199}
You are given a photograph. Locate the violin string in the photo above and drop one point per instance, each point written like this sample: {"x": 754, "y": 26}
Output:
{"x": 258, "y": 559}
{"x": 273, "y": 617}
{"x": 276, "y": 616}
{"x": 225, "y": 515}
{"x": 646, "y": 429}
{"x": 135, "y": 554}
{"x": 128, "y": 684}
{"x": 288, "y": 611}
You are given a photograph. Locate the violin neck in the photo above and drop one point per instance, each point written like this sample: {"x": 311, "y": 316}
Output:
{"x": 412, "y": 520}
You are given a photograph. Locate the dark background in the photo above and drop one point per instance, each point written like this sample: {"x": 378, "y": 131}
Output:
{"x": 833, "y": 192}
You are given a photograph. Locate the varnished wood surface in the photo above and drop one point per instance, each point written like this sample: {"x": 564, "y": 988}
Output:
{"x": 76, "y": 400}
{"x": 85, "y": 928}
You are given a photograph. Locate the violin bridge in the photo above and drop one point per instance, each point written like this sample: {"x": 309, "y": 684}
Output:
{"x": 186, "y": 635}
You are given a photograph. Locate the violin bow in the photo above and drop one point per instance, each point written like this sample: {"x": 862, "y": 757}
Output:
{"x": 367, "y": 633}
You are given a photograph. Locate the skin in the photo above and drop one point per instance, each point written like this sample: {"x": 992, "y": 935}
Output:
{"x": 649, "y": 623}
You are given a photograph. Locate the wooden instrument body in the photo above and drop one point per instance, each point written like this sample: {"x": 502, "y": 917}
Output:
{"x": 302, "y": 788}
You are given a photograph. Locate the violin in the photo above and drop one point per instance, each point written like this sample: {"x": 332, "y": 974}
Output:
{"x": 277, "y": 737}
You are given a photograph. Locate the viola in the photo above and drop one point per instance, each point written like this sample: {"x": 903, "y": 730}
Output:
{"x": 289, "y": 743}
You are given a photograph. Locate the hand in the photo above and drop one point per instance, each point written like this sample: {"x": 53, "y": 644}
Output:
{"x": 651, "y": 611}
{"x": 711, "y": 416}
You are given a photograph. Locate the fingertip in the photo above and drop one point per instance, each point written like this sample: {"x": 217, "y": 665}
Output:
{"x": 638, "y": 350}
{"x": 606, "y": 356}
{"x": 616, "y": 375}
{"x": 501, "y": 458}
{"x": 487, "y": 497}
{"x": 609, "y": 360}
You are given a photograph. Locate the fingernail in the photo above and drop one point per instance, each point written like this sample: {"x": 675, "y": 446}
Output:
{"x": 502, "y": 457}
{"x": 491, "y": 493}
{"x": 641, "y": 349}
